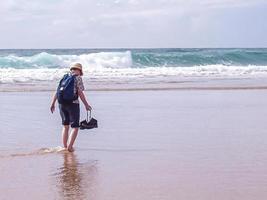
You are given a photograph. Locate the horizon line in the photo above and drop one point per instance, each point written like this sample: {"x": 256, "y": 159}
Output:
{"x": 110, "y": 48}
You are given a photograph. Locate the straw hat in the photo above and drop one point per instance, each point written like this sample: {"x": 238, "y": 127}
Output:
{"x": 77, "y": 66}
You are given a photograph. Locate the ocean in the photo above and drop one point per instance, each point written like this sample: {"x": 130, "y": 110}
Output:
{"x": 130, "y": 65}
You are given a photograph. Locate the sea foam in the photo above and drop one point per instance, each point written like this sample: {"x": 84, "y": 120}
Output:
{"x": 11, "y": 75}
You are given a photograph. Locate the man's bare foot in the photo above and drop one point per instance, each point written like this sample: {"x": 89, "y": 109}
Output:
{"x": 63, "y": 149}
{"x": 70, "y": 149}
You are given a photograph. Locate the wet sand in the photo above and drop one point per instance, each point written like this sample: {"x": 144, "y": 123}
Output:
{"x": 176, "y": 144}
{"x": 141, "y": 84}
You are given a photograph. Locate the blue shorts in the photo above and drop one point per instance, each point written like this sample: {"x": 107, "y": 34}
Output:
{"x": 70, "y": 114}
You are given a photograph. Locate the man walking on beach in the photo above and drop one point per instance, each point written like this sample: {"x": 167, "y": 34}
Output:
{"x": 70, "y": 111}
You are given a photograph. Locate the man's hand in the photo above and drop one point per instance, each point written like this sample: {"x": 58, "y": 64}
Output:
{"x": 88, "y": 107}
{"x": 52, "y": 108}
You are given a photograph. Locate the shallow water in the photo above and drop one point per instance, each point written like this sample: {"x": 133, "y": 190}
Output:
{"x": 149, "y": 145}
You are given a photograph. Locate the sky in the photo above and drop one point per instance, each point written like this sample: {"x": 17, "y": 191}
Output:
{"x": 133, "y": 23}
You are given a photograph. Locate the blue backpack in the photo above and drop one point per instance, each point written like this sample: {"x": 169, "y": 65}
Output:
{"x": 65, "y": 89}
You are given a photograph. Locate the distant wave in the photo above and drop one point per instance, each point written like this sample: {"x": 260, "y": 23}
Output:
{"x": 47, "y": 60}
{"x": 200, "y": 57}
{"x": 136, "y": 58}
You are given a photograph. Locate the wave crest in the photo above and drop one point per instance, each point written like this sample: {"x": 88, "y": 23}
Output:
{"x": 46, "y": 60}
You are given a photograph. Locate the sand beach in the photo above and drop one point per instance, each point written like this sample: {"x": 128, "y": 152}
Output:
{"x": 174, "y": 144}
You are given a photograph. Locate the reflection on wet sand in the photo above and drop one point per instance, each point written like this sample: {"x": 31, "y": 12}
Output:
{"x": 76, "y": 180}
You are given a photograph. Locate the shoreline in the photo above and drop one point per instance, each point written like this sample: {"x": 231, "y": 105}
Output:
{"x": 148, "y": 89}
{"x": 182, "y": 84}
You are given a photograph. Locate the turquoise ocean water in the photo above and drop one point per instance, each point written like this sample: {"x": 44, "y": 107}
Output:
{"x": 30, "y": 65}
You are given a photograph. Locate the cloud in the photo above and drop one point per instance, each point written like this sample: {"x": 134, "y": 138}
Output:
{"x": 130, "y": 23}
{"x": 231, "y": 3}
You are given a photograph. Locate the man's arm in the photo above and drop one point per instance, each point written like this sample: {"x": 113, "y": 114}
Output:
{"x": 83, "y": 98}
{"x": 54, "y": 99}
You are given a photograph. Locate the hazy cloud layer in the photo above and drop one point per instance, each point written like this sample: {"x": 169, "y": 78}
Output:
{"x": 132, "y": 23}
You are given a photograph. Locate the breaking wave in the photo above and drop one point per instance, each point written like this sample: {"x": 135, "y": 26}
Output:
{"x": 47, "y": 60}
{"x": 26, "y": 66}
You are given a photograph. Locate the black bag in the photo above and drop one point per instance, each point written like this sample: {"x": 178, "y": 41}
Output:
{"x": 88, "y": 123}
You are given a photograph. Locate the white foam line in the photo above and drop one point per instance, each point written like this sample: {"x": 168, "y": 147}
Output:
{"x": 42, "y": 151}
{"x": 11, "y": 75}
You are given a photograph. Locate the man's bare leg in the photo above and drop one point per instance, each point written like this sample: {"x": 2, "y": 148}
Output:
{"x": 65, "y": 135}
{"x": 74, "y": 133}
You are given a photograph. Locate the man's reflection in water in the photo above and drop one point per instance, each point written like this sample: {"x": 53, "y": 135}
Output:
{"x": 76, "y": 180}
